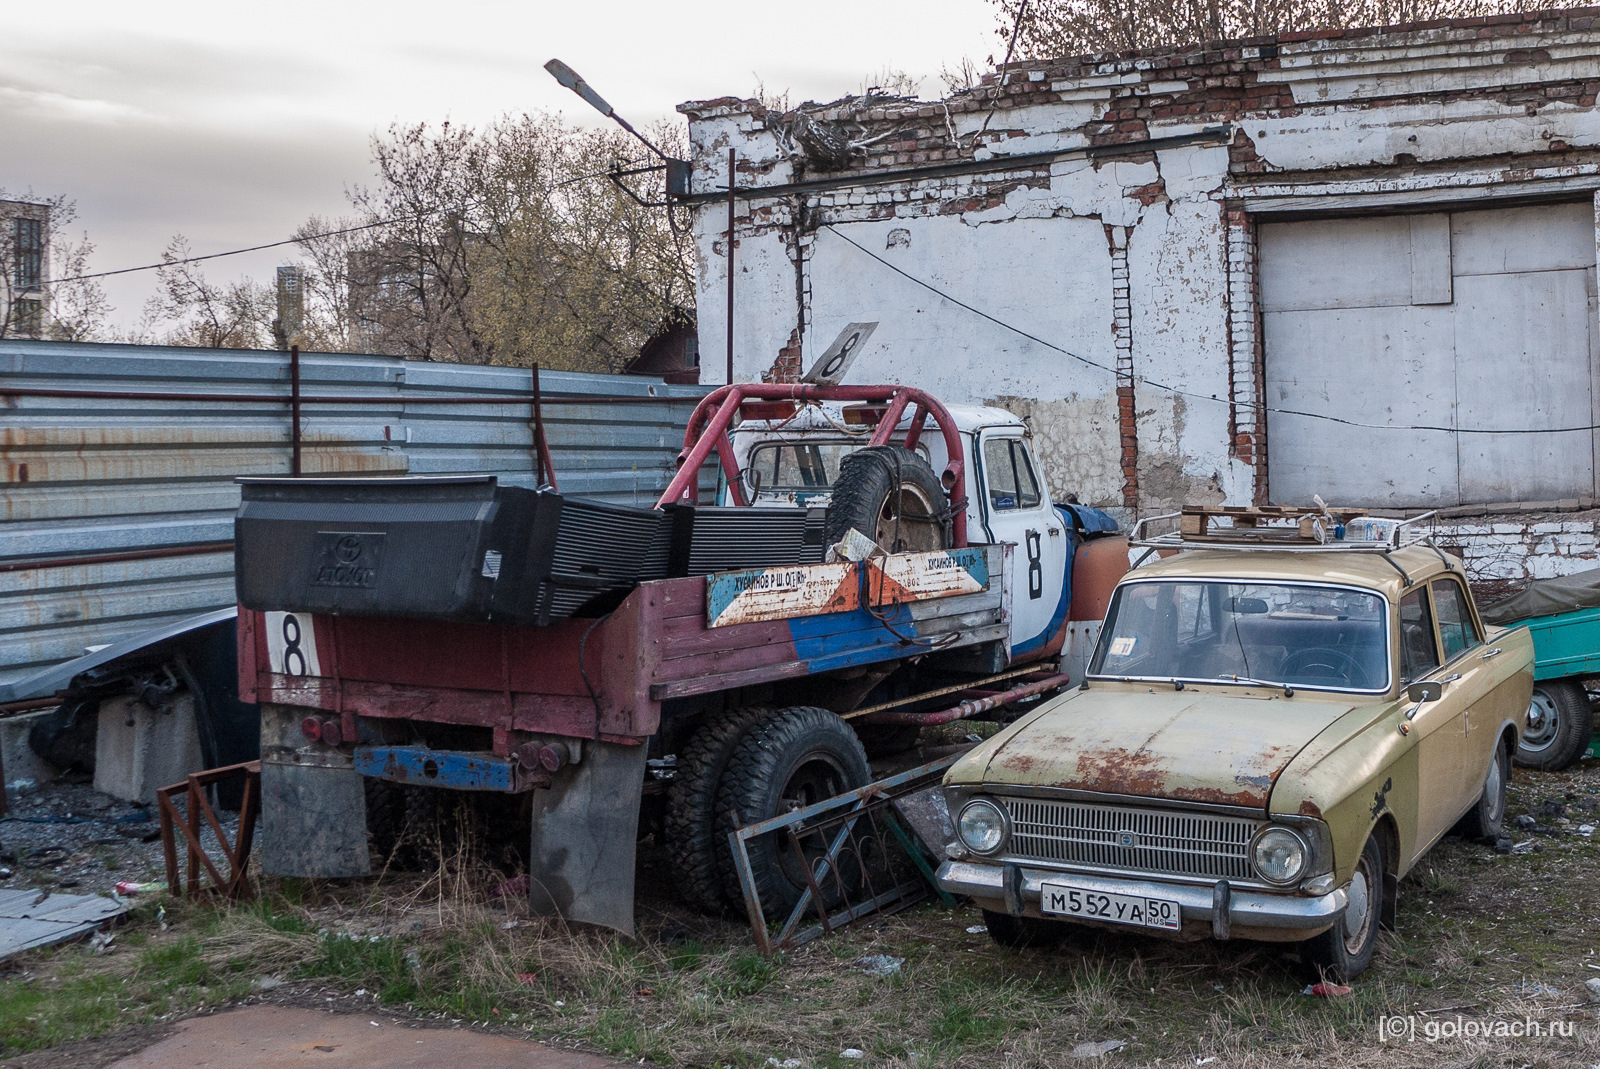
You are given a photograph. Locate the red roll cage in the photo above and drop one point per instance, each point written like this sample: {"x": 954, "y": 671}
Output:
{"x": 713, "y": 418}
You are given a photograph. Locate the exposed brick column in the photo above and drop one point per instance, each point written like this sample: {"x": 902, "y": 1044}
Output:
{"x": 1247, "y": 424}
{"x": 1122, "y": 330}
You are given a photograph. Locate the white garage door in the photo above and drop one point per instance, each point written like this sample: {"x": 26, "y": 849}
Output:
{"x": 1475, "y": 320}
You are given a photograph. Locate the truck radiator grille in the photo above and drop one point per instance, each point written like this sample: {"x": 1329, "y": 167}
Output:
{"x": 1123, "y": 837}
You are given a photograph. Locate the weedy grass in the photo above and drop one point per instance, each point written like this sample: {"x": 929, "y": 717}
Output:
{"x": 1483, "y": 936}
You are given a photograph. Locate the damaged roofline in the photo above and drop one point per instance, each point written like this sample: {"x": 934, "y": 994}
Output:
{"x": 1210, "y": 135}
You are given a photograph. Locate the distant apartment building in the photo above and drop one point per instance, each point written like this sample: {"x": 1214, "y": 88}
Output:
{"x": 24, "y": 241}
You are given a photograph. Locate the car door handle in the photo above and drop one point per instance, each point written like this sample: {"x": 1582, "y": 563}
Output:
{"x": 1451, "y": 678}
{"x": 1492, "y": 653}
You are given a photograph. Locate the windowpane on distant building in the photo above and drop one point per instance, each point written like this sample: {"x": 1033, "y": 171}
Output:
{"x": 28, "y": 235}
{"x": 28, "y": 317}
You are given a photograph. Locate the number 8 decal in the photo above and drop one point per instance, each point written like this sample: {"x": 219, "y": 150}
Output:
{"x": 291, "y": 647}
{"x": 1035, "y": 567}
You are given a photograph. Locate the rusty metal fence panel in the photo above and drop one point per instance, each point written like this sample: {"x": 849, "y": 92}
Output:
{"x": 116, "y": 504}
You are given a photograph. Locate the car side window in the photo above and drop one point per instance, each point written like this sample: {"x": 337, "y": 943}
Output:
{"x": 1419, "y": 655}
{"x": 1009, "y": 475}
{"x": 1456, "y": 627}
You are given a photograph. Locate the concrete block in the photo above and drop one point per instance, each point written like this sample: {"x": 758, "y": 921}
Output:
{"x": 133, "y": 760}
{"x": 25, "y": 770}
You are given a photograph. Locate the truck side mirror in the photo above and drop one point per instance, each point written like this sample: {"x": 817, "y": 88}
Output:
{"x": 1424, "y": 692}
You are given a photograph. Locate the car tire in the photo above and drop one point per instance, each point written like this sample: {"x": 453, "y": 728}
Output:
{"x": 891, "y": 495}
{"x": 788, "y": 759}
{"x": 701, "y": 864}
{"x": 1344, "y": 951}
{"x": 1559, "y": 724}
{"x": 1485, "y": 821}
{"x": 1023, "y": 933}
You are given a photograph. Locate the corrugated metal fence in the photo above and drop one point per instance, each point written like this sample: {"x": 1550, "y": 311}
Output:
{"x": 116, "y": 510}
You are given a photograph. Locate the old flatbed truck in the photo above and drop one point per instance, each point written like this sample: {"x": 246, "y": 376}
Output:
{"x": 387, "y": 637}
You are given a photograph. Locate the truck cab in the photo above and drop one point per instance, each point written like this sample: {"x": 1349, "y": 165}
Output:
{"x": 795, "y": 458}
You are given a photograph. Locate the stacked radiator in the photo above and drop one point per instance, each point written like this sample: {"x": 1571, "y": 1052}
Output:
{"x": 468, "y": 549}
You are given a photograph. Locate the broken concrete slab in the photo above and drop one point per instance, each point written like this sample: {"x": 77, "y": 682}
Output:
{"x": 33, "y": 918}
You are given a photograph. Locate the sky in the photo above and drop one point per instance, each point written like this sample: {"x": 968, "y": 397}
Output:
{"x": 232, "y": 125}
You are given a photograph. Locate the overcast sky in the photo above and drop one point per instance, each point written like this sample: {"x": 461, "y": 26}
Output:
{"x": 232, "y": 124}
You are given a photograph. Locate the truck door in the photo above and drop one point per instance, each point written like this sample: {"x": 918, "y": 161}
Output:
{"x": 1017, "y": 509}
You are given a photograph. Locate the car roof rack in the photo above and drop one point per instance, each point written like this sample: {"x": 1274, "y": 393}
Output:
{"x": 1279, "y": 528}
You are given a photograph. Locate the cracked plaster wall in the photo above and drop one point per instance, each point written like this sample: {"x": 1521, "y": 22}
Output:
{"x": 1371, "y": 113}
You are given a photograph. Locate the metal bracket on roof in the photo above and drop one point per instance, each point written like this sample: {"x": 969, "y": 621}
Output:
{"x": 1404, "y": 578}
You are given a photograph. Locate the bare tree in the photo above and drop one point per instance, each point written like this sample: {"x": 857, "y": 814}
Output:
{"x": 1051, "y": 28}
{"x": 227, "y": 315}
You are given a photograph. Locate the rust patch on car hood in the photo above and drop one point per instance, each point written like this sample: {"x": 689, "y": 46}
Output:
{"x": 1196, "y": 747}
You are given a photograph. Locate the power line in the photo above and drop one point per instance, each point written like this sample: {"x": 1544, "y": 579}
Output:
{"x": 295, "y": 240}
{"x": 1177, "y": 391}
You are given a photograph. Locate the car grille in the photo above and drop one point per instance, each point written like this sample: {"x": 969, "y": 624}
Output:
{"x": 1123, "y": 837}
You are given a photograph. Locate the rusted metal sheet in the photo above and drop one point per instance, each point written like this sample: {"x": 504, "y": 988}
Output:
{"x": 117, "y": 464}
{"x": 818, "y": 589}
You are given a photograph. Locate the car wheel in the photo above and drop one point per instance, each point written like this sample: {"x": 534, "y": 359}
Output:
{"x": 1024, "y": 932}
{"x": 1485, "y": 821}
{"x": 1558, "y": 726}
{"x": 1344, "y": 951}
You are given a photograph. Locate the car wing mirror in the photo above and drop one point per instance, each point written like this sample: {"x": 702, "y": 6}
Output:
{"x": 1424, "y": 692}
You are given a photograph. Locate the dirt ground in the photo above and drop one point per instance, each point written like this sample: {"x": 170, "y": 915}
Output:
{"x": 1489, "y": 946}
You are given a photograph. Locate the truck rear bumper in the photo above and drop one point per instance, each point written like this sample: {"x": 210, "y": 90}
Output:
{"x": 1251, "y": 914}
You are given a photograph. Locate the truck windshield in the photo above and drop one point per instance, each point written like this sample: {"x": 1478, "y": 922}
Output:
{"x": 803, "y": 464}
{"x": 1206, "y": 631}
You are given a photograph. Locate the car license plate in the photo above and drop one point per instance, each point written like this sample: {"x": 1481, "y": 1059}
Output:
{"x": 1059, "y": 898}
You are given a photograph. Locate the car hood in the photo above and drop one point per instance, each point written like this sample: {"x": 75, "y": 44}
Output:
{"x": 1190, "y": 746}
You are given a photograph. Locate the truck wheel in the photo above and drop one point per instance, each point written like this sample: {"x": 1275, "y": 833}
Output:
{"x": 700, "y": 860}
{"x": 386, "y": 820}
{"x": 891, "y": 495}
{"x": 1485, "y": 821}
{"x": 1343, "y": 952}
{"x": 788, "y": 759}
{"x": 1558, "y": 726}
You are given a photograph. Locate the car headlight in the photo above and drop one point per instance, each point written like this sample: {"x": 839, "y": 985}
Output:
{"x": 1280, "y": 855}
{"x": 982, "y": 826}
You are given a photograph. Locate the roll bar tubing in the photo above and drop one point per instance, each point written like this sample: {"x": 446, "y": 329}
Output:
{"x": 713, "y": 419}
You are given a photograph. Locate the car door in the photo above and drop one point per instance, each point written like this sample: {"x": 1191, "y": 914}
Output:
{"x": 1487, "y": 680}
{"x": 1017, "y": 509}
{"x": 1439, "y": 727}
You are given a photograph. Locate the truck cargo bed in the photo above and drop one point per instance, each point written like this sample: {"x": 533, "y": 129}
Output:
{"x": 607, "y": 677}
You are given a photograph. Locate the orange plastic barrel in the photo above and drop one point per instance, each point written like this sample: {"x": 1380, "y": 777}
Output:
{"x": 1098, "y": 566}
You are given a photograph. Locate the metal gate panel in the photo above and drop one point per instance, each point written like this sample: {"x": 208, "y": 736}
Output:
{"x": 1478, "y": 319}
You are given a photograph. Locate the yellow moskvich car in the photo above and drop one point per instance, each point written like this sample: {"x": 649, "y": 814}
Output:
{"x": 1266, "y": 742}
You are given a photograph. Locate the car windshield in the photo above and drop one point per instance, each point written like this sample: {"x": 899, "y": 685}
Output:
{"x": 1316, "y": 637}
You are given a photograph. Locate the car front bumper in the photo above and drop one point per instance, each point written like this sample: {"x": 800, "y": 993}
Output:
{"x": 1249, "y": 914}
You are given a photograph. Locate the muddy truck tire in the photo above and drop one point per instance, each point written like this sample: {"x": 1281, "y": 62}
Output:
{"x": 788, "y": 759}
{"x": 701, "y": 863}
{"x": 1558, "y": 726}
{"x": 892, "y": 496}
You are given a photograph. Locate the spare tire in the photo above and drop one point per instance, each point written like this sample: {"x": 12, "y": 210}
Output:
{"x": 892, "y": 496}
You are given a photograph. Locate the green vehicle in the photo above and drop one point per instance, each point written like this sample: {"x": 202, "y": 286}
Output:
{"x": 1563, "y": 616}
